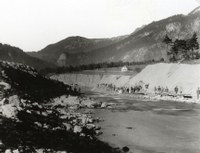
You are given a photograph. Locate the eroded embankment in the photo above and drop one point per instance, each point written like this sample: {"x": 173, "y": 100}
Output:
{"x": 91, "y": 80}
{"x": 160, "y": 76}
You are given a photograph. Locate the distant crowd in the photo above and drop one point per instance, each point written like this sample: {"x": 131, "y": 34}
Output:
{"x": 121, "y": 90}
{"x": 142, "y": 89}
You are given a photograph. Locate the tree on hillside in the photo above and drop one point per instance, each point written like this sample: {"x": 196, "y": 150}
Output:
{"x": 167, "y": 40}
{"x": 182, "y": 49}
{"x": 193, "y": 45}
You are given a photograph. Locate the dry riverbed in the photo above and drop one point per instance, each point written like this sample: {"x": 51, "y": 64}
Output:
{"x": 149, "y": 127}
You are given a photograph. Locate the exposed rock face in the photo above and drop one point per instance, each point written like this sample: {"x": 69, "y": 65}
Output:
{"x": 62, "y": 60}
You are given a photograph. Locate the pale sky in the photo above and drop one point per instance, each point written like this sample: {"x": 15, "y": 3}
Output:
{"x": 33, "y": 24}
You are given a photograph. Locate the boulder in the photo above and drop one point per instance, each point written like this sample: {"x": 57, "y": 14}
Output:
{"x": 44, "y": 114}
{"x": 98, "y": 132}
{"x": 125, "y": 149}
{"x": 90, "y": 126}
{"x": 39, "y": 150}
{"x": 90, "y": 120}
{"x": 4, "y": 101}
{"x": 14, "y": 100}
{"x": 82, "y": 135}
{"x": 38, "y": 124}
{"x": 89, "y": 103}
{"x": 104, "y": 105}
{"x": 9, "y": 111}
{"x": 84, "y": 119}
{"x": 16, "y": 151}
{"x": 78, "y": 129}
{"x": 67, "y": 126}
{"x": 8, "y": 151}
{"x": 97, "y": 127}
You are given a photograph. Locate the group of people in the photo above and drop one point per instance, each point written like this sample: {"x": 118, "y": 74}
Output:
{"x": 74, "y": 88}
{"x": 159, "y": 90}
{"x": 121, "y": 90}
{"x": 138, "y": 89}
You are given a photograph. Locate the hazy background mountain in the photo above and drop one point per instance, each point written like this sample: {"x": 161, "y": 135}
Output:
{"x": 14, "y": 54}
{"x": 56, "y": 53}
{"x": 144, "y": 44}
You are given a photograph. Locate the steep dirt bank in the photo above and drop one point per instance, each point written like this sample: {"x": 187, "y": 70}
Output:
{"x": 91, "y": 80}
{"x": 158, "y": 77}
{"x": 88, "y": 80}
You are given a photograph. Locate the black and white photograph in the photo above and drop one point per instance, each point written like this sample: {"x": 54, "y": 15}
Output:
{"x": 99, "y": 76}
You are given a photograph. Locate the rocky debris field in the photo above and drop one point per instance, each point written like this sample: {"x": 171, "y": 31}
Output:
{"x": 40, "y": 115}
{"x": 57, "y": 126}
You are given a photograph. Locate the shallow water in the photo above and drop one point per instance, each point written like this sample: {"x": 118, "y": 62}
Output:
{"x": 150, "y": 127}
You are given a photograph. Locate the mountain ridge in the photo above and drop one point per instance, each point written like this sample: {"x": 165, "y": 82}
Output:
{"x": 144, "y": 44}
{"x": 15, "y": 54}
{"x": 73, "y": 45}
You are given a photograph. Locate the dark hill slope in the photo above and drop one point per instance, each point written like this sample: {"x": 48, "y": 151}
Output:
{"x": 28, "y": 84}
{"x": 72, "y": 45}
{"x": 14, "y": 54}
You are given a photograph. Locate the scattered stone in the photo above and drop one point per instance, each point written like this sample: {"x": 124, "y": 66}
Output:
{"x": 28, "y": 111}
{"x": 98, "y": 132}
{"x": 104, "y": 105}
{"x": 82, "y": 135}
{"x": 78, "y": 129}
{"x": 130, "y": 128}
{"x": 125, "y": 149}
{"x": 4, "y": 101}
{"x": 90, "y": 126}
{"x": 16, "y": 151}
{"x": 2, "y": 146}
{"x": 74, "y": 107}
{"x": 67, "y": 126}
{"x": 38, "y": 124}
{"x": 90, "y": 120}
{"x": 44, "y": 114}
{"x": 39, "y": 150}
{"x": 14, "y": 100}
{"x": 8, "y": 151}
{"x": 84, "y": 120}
{"x": 97, "y": 128}
{"x": 9, "y": 111}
